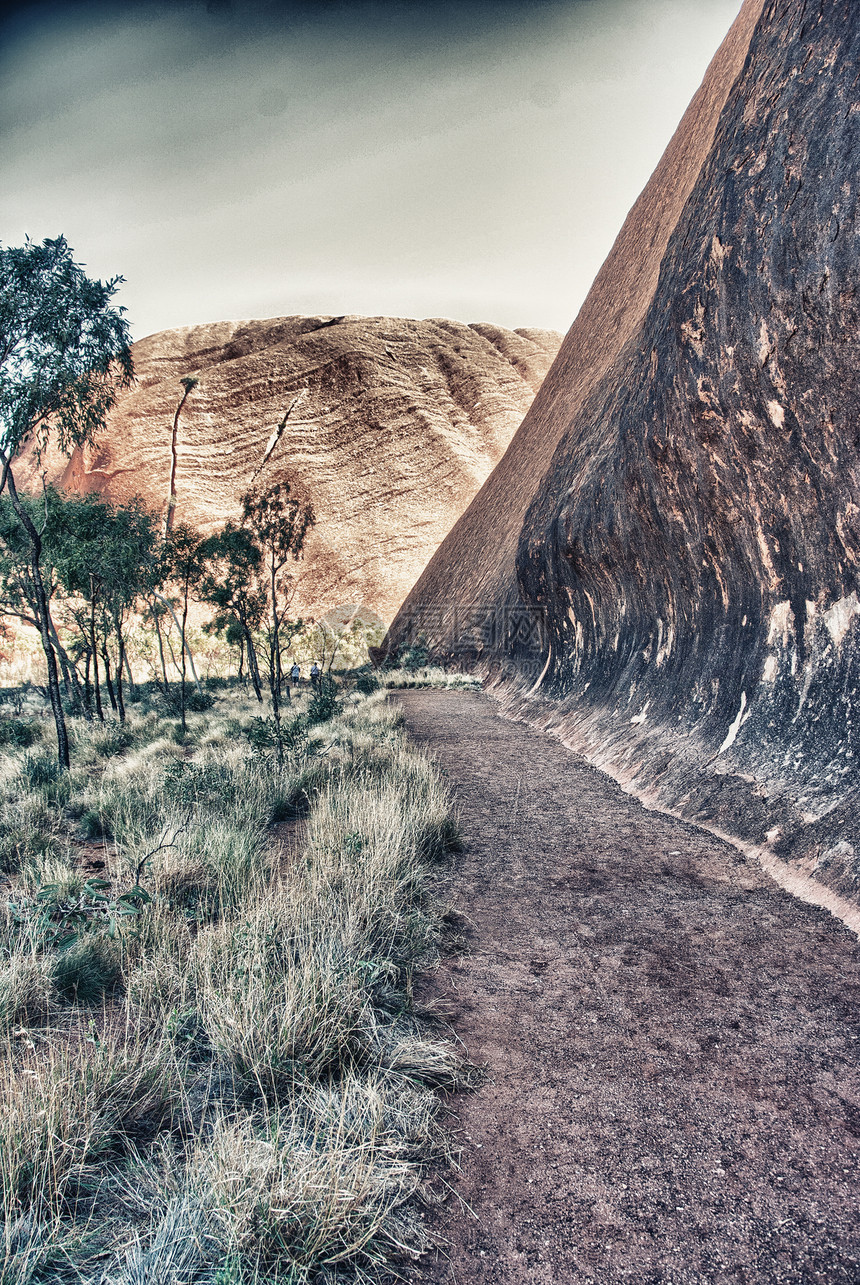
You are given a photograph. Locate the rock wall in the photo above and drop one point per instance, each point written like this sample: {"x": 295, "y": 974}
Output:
{"x": 693, "y": 544}
{"x": 475, "y": 566}
{"x": 392, "y": 427}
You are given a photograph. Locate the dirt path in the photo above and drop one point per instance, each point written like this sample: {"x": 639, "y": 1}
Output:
{"x": 672, "y": 1040}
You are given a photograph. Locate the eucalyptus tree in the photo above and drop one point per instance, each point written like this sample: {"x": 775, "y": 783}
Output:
{"x": 183, "y": 566}
{"x": 233, "y": 586}
{"x": 109, "y": 561}
{"x": 19, "y": 599}
{"x": 65, "y": 355}
{"x": 279, "y": 523}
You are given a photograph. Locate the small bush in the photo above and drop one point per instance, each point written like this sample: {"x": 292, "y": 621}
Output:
{"x": 19, "y": 732}
{"x": 94, "y": 825}
{"x": 367, "y": 684}
{"x": 199, "y": 701}
{"x": 40, "y": 769}
{"x": 196, "y": 702}
{"x": 260, "y": 733}
{"x": 324, "y": 703}
{"x": 415, "y": 657}
{"x": 21, "y": 840}
{"x": 112, "y": 738}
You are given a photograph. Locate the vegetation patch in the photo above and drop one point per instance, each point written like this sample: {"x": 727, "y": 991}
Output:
{"x": 211, "y": 1068}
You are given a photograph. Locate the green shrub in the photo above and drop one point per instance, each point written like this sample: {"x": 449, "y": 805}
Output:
{"x": 94, "y": 825}
{"x": 20, "y": 841}
{"x": 112, "y": 738}
{"x": 260, "y": 733}
{"x": 19, "y": 732}
{"x": 415, "y": 657}
{"x": 367, "y": 683}
{"x": 40, "y": 769}
{"x": 324, "y": 703}
{"x": 199, "y": 701}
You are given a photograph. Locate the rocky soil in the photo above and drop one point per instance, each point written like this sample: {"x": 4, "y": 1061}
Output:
{"x": 672, "y": 1091}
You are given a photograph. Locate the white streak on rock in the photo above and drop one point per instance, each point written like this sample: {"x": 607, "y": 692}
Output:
{"x": 838, "y": 617}
{"x": 735, "y": 727}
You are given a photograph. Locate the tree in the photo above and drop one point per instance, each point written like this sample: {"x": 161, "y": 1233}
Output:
{"x": 65, "y": 355}
{"x": 232, "y": 585}
{"x": 279, "y": 523}
{"x": 184, "y": 566}
{"x": 50, "y": 514}
{"x": 108, "y": 559}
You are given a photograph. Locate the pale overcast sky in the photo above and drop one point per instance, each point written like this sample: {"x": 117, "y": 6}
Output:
{"x": 251, "y": 159}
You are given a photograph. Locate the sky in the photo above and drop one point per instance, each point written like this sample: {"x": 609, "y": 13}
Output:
{"x": 258, "y": 158}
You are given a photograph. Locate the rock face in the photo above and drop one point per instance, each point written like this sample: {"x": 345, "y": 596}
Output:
{"x": 477, "y": 562}
{"x": 693, "y": 542}
{"x": 388, "y": 426}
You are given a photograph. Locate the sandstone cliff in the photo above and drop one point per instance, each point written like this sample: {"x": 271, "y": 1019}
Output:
{"x": 693, "y": 540}
{"x": 388, "y": 426}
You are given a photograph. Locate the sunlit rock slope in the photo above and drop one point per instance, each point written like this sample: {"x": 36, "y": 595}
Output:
{"x": 388, "y": 426}
{"x": 693, "y": 540}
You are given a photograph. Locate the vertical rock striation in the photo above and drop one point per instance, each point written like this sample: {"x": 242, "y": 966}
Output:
{"x": 694, "y": 540}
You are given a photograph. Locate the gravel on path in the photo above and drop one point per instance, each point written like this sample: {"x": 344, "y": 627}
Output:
{"x": 671, "y": 1040}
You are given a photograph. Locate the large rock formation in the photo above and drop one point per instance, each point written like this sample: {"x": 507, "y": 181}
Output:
{"x": 693, "y": 541}
{"x": 388, "y": 426}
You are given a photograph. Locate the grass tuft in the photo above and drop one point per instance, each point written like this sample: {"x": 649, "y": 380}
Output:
{"x": 210, "y": 1064}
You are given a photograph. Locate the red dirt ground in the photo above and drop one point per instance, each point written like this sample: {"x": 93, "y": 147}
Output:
{"x": 673, "y": 1094}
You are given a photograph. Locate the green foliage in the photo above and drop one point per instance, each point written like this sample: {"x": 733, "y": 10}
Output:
{"x": 63, "y": 911}
{"x": 39, "y": 769}
{"x": 195, "y": 701}
{"x": 66, "y": 351}
{"x": 414, "y": 657}
{"x": 199, "y": 701}
{"x": 367, "y": 683}
{"x": 260, "y": 734}
{"x": 324, "y": 702}
{"x": 111, "y": 739}
{"x": 279, "y": 522}
{"x": 94, "y": 825}
{"x": 19, "y": 732}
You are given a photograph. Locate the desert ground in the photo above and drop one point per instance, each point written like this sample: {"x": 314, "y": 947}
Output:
{"x": 669, "y": 1039}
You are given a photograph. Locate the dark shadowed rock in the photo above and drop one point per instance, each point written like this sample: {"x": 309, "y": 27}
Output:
{"x": 694, "y": 540}
{"x": 476, "y": 563}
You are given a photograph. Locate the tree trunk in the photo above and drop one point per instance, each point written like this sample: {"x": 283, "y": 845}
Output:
{"x": 160, "y": 646}
{"x": 64, "y": 668}
{"x": 108, "y": 679}
{"x": 44, "y": 616}
{"x": 185, "y": 646}
{"x": 70, "y": 673}
{"x": 119, "y": 700}
{"x": 182, "y": 688}
{"x": 253, "y": 666}
{"x": 132, "y": 686}
{"x": 88, "y": 691}
{"x": 95, "y": 654}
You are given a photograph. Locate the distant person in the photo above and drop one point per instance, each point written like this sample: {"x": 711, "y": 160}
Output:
{"x": 295, "y": 673}
{"x": 315, "y": 675}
